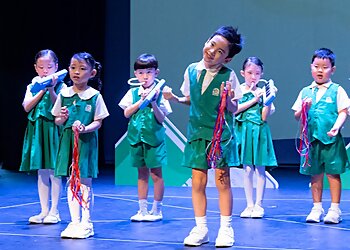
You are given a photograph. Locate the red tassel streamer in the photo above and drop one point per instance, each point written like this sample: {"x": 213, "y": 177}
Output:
{"x": 74, "y": 180}
{"x": 304, "y": 143}
{"x": 215, "y": 152}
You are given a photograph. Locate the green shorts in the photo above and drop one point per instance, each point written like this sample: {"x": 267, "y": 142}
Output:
{"x": 143, "y": 154}
{"x": 329, "y": 159}
{"x": 195, "y": 154}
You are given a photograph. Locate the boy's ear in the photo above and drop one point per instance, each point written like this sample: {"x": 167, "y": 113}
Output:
{"x": 333, "y": 70}
{"x": 157, "y": 72}
{"x": 242, "y": 73}
{"x": 227, "y": 60}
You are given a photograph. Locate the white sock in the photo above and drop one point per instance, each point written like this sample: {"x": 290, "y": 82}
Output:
{"x": 248, "y": 185}
{"x": 260, "y": 185}
{"x": 86, "y": 189}
{"x": 225, "y": 221}
{"x": 157, "y": 206}
{"x": 56, "y": 188}
{"x": 318, "y": 205}
{"x": 43, "y": 189}
{"x": 335, "y": 206}
{"x": 201, "y": 222}
{"x": 74, "y": 206}
{"x": 143, "y": 205}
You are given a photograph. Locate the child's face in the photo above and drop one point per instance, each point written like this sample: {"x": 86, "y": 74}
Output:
{"x": 146, "y": 76}
{"x": 45, "y": 66}
{"x": 215, "y": 52}
{"x": 80, "y": 72}
{"x": 252, "y": 74}
{"x": 321, "y": 70}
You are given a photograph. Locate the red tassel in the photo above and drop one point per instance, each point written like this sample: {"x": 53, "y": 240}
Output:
{"x": 74, "y": 180}
{"x": 215, "y": 152}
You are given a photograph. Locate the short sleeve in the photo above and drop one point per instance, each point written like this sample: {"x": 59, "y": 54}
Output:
{"x": 101, "y": 111}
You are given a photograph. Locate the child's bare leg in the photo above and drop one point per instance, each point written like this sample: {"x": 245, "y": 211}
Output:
{"x": 142, "y": 183}
{"x": 335, "y": 187}
{"x": 317, "y": 187}
{"x": 199, "y": 198}
{"x": 157, "y": 177}
{"x": 223, "y": 184}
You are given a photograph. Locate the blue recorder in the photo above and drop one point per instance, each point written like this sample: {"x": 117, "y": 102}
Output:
{"x": 47, "y": 80}
{"x": 269, "y": 91}
{"x": 151, "y": 94}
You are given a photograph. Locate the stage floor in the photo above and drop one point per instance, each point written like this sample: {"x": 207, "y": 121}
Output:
{"x": 283, "y": 226}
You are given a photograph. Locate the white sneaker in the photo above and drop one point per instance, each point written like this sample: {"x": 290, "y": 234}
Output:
{"x": 247, "y": 212}
{"x": 258, "y": 212}
{"x": 37, "y": 219}
{"x": 84, "y": 230}
{"x": 315, "y": 216}
{"x": 142, "y": 216}
{"x": 225, "y": 237}
{"x": 70, "y": 230}
{"x": 197, "y": 237}
{"x": 156, "y": 216}
{"x": 52, "y": 219}
{"x": 333, "y": 216}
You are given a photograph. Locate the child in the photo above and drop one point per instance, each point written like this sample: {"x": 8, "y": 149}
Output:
{"x": 202, "y": 88}
{"x": 255, "y": 143}
{"x": 146, "y": 136}
{"x": 41, "y": 137}
{"x": 82, "y": 108}
{"x": 326, "y": 104}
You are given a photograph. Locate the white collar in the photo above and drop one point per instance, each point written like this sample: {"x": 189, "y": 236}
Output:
{"x": 324, "y": 85}
{"x": 84, "y": 95}
{"x": 200, "y": 66}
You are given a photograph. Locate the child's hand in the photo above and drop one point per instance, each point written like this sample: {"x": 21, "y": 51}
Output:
{"x": 155, "y": 97}
{"x": 308, "y": 103}
{"x": 145, "y": 93}
{"x": 333, "y": 132}
{"x": 64, "y": 114}
{"x": 167, "y": 93}
{"x": 230, "y": 92}
{"x": 258, "y": 93}
{"x": 53, "y": 83}
{"x": 231, "y": 105}
{"x": 77, "y": 125}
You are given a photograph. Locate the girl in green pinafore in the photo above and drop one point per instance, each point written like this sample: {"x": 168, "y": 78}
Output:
{"x": 80, "y": 107}
{"x": 254, "y": 137}
{"x": 41, "y": 137}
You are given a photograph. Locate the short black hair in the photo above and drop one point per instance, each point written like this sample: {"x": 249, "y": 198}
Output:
{"x": 146, "y": 61}
{"x": 231, "y": 35}
{"x": 324, "y": 53}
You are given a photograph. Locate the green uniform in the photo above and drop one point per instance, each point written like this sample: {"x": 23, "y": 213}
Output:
{"x": 203, "y": 115}
{"x": 255, "y": 144}
{"x": 41, "y": 137}
{"x": 146, "y": 137}
{"x": 327, "y": 154}
{"x": 84, "y": 111}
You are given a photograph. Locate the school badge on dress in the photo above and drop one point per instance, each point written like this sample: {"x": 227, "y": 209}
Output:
{"x": 88, "y": 108}
{"x": 216, "y": 92}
